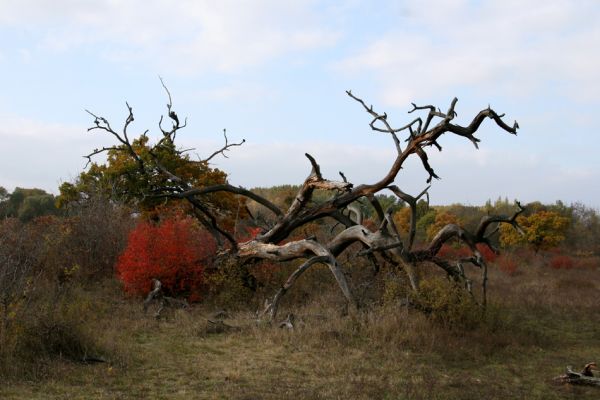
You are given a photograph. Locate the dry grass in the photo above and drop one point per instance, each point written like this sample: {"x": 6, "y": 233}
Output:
{"x": 540, "y": 321}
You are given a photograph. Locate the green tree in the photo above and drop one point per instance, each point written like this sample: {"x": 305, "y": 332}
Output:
{"x": 424, "y": 222}
{"x": 36, "y": 206}
{"x": 3, "y": 202}
{"x": 26, "y": 204}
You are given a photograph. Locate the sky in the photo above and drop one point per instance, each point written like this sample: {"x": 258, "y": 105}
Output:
{"x": 275, "y": 73}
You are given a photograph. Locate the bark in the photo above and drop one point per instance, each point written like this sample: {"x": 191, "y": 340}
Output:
{"x": 577, "y": 378}
{"x": 421, "y": 134}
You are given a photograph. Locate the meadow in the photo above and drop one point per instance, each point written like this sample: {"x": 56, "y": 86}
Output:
{"x": 538, "y": 321}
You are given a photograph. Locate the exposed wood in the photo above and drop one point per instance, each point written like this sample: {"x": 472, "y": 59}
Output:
{"x": 157, "y": 295}
{"x": 420, "y": 134}
{"x": 585, "y": 377}
{"x": 288, "y": 323}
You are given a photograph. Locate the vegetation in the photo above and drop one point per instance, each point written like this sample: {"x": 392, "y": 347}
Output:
{"x": 174, "y": 251}
{"x": 408, "y": 322}
{"x": 543, "y": 230}
{"x": 26, "y": 204}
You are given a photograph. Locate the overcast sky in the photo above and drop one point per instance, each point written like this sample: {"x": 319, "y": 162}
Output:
{"x": 275, "y": 72}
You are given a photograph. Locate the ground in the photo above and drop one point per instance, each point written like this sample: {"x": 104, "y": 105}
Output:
{"x": 539, "y": 321}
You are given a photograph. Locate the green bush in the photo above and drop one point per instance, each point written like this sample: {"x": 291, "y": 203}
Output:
{"x": 230, "y": 285}
{"x": 56, "y": 324}
{"x": 449, "y": 303}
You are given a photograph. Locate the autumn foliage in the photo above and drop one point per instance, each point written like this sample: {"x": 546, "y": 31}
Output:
{"x": 463, "y": 252}
{"x": 543, "y": 230}
{"x": 175, "y": 251}
{"x": 561, "y": 261}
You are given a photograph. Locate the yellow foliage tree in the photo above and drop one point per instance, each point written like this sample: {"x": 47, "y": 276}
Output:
{"x": 402, "y": 220}
{"x": 441, "y": 219}
{"x": 543, "y": 230}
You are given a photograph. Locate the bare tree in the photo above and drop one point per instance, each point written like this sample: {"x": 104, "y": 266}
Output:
{"x": 419, "y": 135}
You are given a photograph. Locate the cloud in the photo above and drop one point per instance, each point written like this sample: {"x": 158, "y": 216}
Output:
{"x": 501, "y": 47}
{"x": 235, "y": 91}
{"x": 40, "y": 154}
{"x": 184, "y": 36}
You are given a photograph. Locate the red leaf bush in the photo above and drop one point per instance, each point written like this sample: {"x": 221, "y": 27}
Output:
{"x": 453, "y": 252}
{"x": 175, "y": 251}
{"x": 560, "y": 261}
{"x": 507, "y": 264}
{"x": 487, "y": 253}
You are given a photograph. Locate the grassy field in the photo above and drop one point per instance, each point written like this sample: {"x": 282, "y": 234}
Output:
{"x": 539, "y": 322}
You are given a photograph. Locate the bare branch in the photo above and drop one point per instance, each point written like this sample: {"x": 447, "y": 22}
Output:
{"x": 225, "y": 148}
{"x": 422, "y": 131}
{"x": 490, "y": 219}
{"x": 412, "y": 202}
{"x": 231, "y": 189}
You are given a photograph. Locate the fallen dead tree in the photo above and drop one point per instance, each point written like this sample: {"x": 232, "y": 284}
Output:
{"x": 585, "y": 377}
{"x": 415, "y": 138}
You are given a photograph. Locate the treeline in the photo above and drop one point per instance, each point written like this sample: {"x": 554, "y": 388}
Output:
{"x": 26, "y": 204}
{"x": 575, "y": 227}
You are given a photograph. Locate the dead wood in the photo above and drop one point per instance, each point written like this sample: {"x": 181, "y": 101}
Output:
{"x": 420, "y": 135}
{"x": 585, "y": 377}
{"x": 157, "y": 295}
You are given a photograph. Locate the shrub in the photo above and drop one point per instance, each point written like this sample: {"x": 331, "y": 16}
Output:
{"x": 507, "y": 264}
{"x": 487, "y": 253}
{"x": 462, "y": 251}
{"x": 588, "y": 263}
{"x": 57, "y": 321}
{"x": 175, "y": 251}
{"x": 560, "y": 261}
{"x": 448, "y": 303}
{"x": 230, "y": 285}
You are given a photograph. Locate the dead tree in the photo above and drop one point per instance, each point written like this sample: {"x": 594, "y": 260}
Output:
{"x": 585, "y": 377}
{"x": 419, "y": 135}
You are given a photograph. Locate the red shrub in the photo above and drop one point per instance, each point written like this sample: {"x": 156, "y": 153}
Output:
{"x": 267, "y": 273}
{"x": 487, "y": 253}
{"x": 248, "y": 233}
{"x": 588, "y": 263}
{"x": 507, "y": 264}
{"x": 561, "y": 262}
{"x": 463, "y": 252}
{"x": 446, "y": 252}
{"x": 174, "y": 252}
{"x": 451, "y": 252}
{"x": 527, "y": 256}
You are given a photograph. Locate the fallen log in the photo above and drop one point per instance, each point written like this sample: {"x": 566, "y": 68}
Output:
{"x": 585, "y": 377}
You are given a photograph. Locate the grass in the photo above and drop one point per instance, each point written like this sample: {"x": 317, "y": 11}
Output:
{"x": 540, "y": 321}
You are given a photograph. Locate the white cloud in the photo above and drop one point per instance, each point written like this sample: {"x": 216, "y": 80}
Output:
{"x": 184, "y": 36}
{"x": 40, "y": 154}
{"x": 235, "y": 91}
{"x": 498, "y": 46}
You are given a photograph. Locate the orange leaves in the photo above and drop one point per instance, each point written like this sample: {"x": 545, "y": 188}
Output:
{"x": 175, "y": 252}
{"x": 441, "y": 220}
